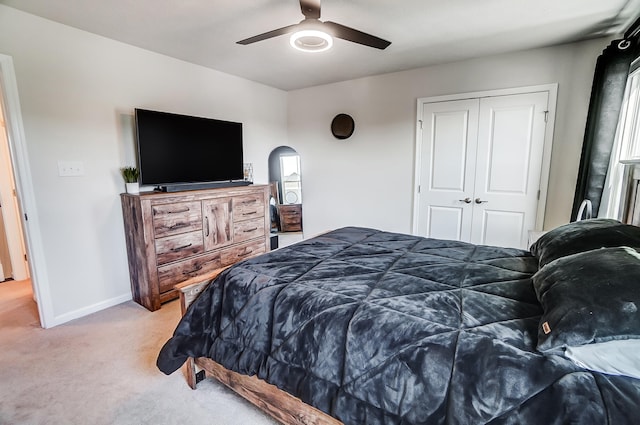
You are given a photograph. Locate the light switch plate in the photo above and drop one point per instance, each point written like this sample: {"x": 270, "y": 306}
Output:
{"x": 70, "y": 168}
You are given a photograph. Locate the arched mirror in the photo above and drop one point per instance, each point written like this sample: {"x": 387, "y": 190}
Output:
{"x": 285, "y": 176}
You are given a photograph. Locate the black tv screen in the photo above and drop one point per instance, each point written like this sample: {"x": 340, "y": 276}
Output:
{"x": 178, "y": 149}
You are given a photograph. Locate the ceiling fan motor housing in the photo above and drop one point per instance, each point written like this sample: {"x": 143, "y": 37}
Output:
{"x": 311, "y": 36}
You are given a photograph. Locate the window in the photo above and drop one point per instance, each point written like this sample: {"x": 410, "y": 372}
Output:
{"x": 621, "y": 195}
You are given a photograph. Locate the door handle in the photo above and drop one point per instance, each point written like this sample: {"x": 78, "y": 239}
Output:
{"x": 465, "y": 200}
{"x": 480, "y": 201}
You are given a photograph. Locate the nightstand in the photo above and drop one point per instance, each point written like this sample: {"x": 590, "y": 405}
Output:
{"x": 290, "y": 217}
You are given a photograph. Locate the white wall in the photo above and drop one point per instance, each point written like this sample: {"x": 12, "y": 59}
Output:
{"x": 367, "y": 180}
{"x": 77, "y": 92}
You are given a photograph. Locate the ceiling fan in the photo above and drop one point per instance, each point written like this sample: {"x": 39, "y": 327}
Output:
{"x": 313, "y": 35}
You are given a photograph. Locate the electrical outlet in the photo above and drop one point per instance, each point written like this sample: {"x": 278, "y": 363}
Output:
{"x": 70, "y": 168}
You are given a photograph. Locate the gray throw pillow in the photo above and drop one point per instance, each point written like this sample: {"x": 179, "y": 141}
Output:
{"x": 590, "y": 297}
{"x": 582, "y": 236}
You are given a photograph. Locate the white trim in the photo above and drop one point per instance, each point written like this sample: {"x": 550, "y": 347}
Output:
{"x": 490, "y": 93}
{"x": 417, "y": 169}
{"x": 26, "y": 196}
{"x": 85, "y": 311}
{"x": 629, "y": 119}
{"x": 552, "y": 90}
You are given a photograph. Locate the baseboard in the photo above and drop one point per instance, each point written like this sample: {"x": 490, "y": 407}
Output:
{"x": 85, "y": 311}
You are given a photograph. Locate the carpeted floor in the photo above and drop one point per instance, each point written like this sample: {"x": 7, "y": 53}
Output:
{"x": 101, "y": 370}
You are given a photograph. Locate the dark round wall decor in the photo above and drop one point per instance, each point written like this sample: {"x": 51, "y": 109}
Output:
{"x": 342, "y": 126}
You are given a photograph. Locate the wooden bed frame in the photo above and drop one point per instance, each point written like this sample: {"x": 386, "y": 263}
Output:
{"x": 278, "y": 404}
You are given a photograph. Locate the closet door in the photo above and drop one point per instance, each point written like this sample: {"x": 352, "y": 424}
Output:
{"x": 509, "y": 160}
{"x": 479, "y": 168}
{"x": 448, "y": 158}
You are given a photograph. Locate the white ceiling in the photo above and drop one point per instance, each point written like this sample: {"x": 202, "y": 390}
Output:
{"x": 422, "y": 32}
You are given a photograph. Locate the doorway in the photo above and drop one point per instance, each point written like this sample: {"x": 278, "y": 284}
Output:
{"x": 13, "y": 258}
{"x": 16, "y": 193}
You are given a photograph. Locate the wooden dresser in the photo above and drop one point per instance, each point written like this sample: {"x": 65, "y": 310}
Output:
{"x": 290, "y": 217}
{"x": 172, "y": 237}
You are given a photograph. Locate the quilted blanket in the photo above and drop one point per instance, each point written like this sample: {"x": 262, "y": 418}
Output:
{"x": 383, "y": 328}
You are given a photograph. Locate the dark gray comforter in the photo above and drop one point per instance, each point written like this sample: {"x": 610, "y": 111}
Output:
{"x": 383, "y": 328}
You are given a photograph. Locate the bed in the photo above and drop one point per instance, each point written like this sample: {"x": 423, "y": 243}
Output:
{"x": 361, "y": 326}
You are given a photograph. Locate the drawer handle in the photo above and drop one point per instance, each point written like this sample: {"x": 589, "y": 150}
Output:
{"x": 178, "y": 225}
{"x": 206, "y": 227}
{"x": 246, "y": 252}
{"x": 180, "y": 248}
{"x": 251, "y": 230}
{"x": 252, "y": 201}
{"x": 197, "y": 269}
{"x": 250, "y": 213}
{"x": 175, "y": 212}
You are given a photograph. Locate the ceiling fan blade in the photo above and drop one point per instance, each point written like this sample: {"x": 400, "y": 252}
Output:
{"x": 310, "y": 8}
{"x": 268, "y": 34}
{"x": 350, "y": 34}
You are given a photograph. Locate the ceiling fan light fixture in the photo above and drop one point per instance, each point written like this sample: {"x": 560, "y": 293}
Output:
{"x": 311, "y": 41}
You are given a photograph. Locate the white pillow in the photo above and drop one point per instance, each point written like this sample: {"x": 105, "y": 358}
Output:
{"x": 617, "y": 357}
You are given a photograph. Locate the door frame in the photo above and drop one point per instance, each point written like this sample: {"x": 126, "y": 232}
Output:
{"x": 24, "y": 191}
{"x": 551, "y": 89}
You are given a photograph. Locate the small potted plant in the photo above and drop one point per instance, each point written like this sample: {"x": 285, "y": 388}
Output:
{"x": 130, "y": 176}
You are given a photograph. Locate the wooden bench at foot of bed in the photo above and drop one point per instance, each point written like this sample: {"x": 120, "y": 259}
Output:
{"x": 278, "y": 404}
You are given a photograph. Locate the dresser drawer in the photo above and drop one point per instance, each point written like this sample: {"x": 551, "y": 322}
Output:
{"x": 174, "y": 273}
{"x": 287, "y": 226}
{"x": 248, "y": 207}
{"x": 240, "y": 252}
{"x": 173, "y": 248}
{"x": 173, "y": 219}
{"x": 249, "y": 229}
{"x": 291, "y": 220}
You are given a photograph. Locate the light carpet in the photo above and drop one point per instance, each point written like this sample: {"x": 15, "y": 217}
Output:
{"x": 101, "y": 370}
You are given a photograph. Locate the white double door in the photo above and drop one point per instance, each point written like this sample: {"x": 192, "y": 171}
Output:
{"x": 479, "y": 168}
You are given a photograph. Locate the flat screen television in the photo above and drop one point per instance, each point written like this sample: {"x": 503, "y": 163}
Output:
{"x": 181, "y": 152}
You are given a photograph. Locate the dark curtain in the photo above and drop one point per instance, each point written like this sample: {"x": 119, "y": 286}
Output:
{"x": 607, "y": 92}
